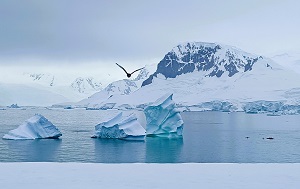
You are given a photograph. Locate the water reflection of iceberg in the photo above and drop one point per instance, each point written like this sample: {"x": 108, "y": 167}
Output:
{"x": 119, "y": 151}
{"x": 41, "y": 150}
{"x": 163, "y": 150}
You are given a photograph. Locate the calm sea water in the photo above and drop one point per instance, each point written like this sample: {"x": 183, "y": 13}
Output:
{"x": 209, "y": 137}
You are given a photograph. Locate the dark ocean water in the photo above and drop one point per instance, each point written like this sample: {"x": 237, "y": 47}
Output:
{"x": 209, "y": 137}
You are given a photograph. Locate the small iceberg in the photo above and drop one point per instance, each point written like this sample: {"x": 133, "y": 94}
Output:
{"x": 119, "y": 127}
{"x": 163, "y": 119}
{"x": 68, "y": 107}
{"x": 13, "y": 106}
{"x": 274, "y": 114}
{"x": 36, "y": 127}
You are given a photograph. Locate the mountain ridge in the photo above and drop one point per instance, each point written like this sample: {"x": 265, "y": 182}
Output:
{"x": 212, "y": 58}
{"x": 219, "y": 73}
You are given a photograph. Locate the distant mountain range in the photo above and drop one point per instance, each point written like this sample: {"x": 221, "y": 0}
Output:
{"x": 199, "y": 73}
{"x": 80, "y": 84}
{"x": 121, "y": 87}
{"x": 42, "y": 89}
{"x": 24, "y": 95}
{"x": 288, "y": 60}
{"x": 201, "y": 76}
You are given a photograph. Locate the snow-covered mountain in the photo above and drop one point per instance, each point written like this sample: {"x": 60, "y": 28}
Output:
{"x": 42, "y": 78}
{"x": 199, "y": 73}
{"x": 28, "y": 96}
{"x": 213, "y": 59}
{"x": 62, "y": 88}
{"x": 120, "y": 87}
{"x": 288, "y": 60}
{"x": 85, "y": 85}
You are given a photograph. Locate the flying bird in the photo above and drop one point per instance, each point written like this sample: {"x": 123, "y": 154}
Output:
{"x": 129, "y": 74}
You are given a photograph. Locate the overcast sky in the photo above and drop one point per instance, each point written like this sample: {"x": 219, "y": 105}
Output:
{"x": 136, "y": 32}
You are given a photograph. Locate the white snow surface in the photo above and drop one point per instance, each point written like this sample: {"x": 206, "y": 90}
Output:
{"x": 131, "y": 176}
{"x": 163, "y": 119}
{"x": 121, "y": 127}
{"x": 290, "y": 60}
{"x": 25, "y": 95}
{"x": 36, "y": 127}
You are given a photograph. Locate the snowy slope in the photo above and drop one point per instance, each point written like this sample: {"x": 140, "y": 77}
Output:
{"x": 28, "y": 96}
{"x": 288, "y": 60}
{"x": 86, "y": 85}
{"x": 82, "y": 85}
{"x": 205, "y": 72}
{"x": 55, "y": 88}
{"x": 150, "y": 175}
{"x": 121, "y": 87}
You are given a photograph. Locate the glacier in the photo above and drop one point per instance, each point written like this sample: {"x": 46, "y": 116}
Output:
{"x": 36, "y": 127}
{"x": 273, "y": 107}
{"x": 163, "y": 119}
{"x": 120, "y": 127}
{"x": 215, "y": 105}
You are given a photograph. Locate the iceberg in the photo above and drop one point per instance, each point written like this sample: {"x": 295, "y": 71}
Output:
{"x": 14, "y": 106}
{"x": 36, "y": 127}
{"x": 163, "y": 119}
{"x": 120, "y": 127}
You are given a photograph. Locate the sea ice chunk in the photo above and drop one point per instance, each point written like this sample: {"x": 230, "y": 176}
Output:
{"x": 121, "y": 127}
{"x": 36, "y": 127}
{"x": 163, "y": 119}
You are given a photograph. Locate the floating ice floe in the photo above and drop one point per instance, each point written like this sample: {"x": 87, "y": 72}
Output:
{"x": 121, "y": 127}
{"x": 163, "y": 119}
{"x": 36, "y": 127}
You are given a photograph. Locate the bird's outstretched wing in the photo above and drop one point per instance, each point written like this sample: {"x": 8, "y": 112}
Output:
{"x": 122, "y": 68}
{"x": 137, "y": 70}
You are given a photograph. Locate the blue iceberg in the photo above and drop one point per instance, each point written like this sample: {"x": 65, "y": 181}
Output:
{"x": 120, "y": 127}
{"x": 163, "y": 119}
{"x": 36, "y": 127}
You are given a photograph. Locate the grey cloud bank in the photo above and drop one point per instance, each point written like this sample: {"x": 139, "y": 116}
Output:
{"x": 83, "y": 31}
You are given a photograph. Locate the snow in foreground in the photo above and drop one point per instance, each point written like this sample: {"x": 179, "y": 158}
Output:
{"x": 83, "y": 175}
